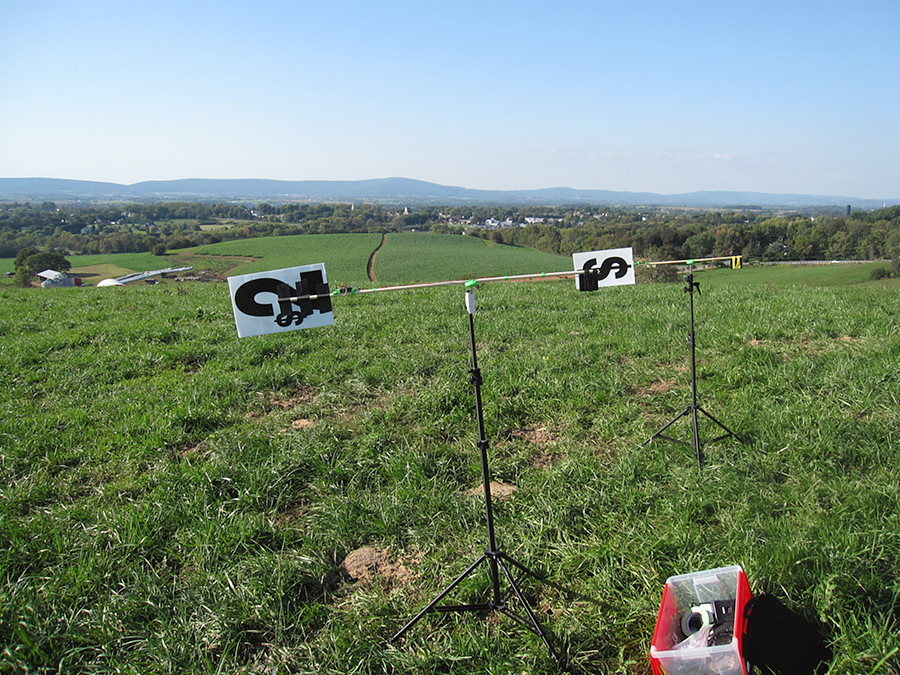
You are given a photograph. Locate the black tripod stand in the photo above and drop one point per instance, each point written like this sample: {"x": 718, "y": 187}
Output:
{"x": 693, "y": 408}
{"x": 497, "y": 560}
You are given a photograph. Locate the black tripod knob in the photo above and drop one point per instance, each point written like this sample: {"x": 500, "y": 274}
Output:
{"x": 690, "y": 284}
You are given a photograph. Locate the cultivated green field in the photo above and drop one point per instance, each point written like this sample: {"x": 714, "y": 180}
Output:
{"x": 345, "y": 255}
{"x": 175, "y": 499}
{"x": 420, "y": 257}
{"x": 401, "y": 259}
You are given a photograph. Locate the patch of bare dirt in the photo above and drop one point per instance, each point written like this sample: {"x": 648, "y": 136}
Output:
{"x": 198, "y": 275}
{"x": 655, "y": 387}
{"x": 304, "y": 394}
{"x": 301, "y": 424}
{"x": 198, "y": 451}
{"x": 544, "y": 459}
{"x": 499, "y": 491}
{"x": 291, "y": 515}
{"x": 370, "y": 562}
{"x": 536, "y": 435}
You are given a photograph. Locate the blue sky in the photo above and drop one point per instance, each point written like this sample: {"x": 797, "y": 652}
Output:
{"x": 660, "y": 96}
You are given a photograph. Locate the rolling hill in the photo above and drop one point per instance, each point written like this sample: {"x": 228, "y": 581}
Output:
{"x": 397, "y": 191}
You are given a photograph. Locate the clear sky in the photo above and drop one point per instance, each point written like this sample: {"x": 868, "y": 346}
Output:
{"x": 642, "y": 95}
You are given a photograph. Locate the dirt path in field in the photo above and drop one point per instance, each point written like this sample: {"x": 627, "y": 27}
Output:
{"x": 210, "y": 264}
{"x": 370, "y": 266}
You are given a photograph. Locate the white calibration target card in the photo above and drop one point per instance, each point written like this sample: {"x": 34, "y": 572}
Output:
{"x": 279, "y": 300}
{"x": 612, "y": 267}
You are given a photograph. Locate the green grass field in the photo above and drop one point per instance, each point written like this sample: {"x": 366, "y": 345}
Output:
{"x": 175, "y": 499}
{"x": 345, "y": 255}
{"x": 403, "y": 259}
{"x": 816, "y": 275}
{"x": 130, "y": 262}
{"x": 420, "y": 257}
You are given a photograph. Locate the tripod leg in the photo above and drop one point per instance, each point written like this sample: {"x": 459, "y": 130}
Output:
{"x": 724, "y": 428}
{"x": 535, "y": 624}
{"x": 696, "y": 429}
{"x": 660, "y": 432}
{"x": 440, "y": 597}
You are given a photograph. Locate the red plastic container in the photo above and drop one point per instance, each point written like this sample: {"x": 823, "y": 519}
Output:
{"x": 686, "y": 619}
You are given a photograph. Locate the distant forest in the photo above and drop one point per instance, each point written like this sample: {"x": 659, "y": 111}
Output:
{"x": 654, "y": 235}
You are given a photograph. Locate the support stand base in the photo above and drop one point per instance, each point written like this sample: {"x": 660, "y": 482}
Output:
{"x": 692, "y": 410}
{"x": 498, "y": 561}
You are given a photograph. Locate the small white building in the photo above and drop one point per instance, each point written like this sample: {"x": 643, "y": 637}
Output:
{"x": 52, "y": 278}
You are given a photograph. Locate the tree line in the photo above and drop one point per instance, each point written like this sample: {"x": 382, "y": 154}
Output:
{"x": 653, "y": 234}
{"x": 864, "y": 236}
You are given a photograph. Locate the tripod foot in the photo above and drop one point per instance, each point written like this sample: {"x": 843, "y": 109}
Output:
{"x": 695, "y": 427}
{"x": 498, "y": 560}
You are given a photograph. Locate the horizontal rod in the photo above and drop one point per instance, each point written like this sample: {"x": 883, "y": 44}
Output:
{"x": 457, "y": 282}
{"x": 510, "y": 277}
{"x": 689, "y": 261}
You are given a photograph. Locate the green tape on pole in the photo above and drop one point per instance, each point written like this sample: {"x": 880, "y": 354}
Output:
{"x": 471, "y": 283}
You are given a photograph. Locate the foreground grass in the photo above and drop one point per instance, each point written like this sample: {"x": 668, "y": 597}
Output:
{"x": 177, "y": 500}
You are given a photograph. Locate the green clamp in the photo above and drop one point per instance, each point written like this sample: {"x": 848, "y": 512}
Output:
{"x": 471, "y": 283}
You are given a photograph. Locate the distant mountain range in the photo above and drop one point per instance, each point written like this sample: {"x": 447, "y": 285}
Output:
{"x": 398, "y": 191}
